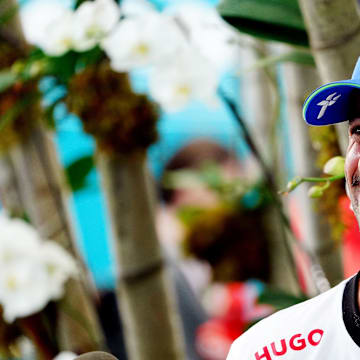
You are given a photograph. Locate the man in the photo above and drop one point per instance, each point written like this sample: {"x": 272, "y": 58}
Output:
{"x": 326, "y": 327}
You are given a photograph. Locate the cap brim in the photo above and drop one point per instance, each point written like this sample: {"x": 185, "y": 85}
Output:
{"x": 329, "y": 103}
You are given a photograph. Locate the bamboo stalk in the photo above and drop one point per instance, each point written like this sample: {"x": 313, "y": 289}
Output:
{"x": 316, "y": 230}
{"x": 33, "y": 174}
{"x": 260, "y": 97}
{"x": 42, "y": 190}
{"x": 334, "y": 30}
{"x": 10, "y": 196}
{"x": 148, "y": 307}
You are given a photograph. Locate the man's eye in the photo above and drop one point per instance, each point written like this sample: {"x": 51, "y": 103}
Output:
{"x": 355, "y": 130}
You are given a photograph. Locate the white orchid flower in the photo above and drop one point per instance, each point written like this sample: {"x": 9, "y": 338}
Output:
{"x": 92, "y": 21}
{"x": 59, "y": 266}
{"x": 32, "y": 272}
{"x": 23, "y": 289}
{"x": 189, "y": 76}
{"x": 18, "y": 240}
{"x": 208, "y": 33}
{"x": 58, "y": 36}
{"x": 142, "y": 41}
{"x": 36, "y": 18}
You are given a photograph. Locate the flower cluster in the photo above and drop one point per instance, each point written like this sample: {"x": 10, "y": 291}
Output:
{"x": 62, "y": 29}
{"x": 32, "y": 272}
{"x": 173, "y": 45}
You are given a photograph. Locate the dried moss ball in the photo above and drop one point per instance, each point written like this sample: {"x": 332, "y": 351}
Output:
{"x": 19, "y": 105}
{"x": 120, "y": 120}
{"x": 19, "y": 111}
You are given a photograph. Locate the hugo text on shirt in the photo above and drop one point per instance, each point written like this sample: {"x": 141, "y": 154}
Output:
{"x": 325, "y": 327}
{"x": 296, "y": 343}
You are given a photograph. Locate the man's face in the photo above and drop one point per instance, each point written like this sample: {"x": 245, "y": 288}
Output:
{"x": 352, "y": 165}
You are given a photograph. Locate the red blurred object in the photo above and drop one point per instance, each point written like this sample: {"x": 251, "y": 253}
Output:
{"x": 215, "y": 337}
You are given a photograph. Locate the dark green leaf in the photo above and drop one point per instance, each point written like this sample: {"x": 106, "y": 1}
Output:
{"x": 78, "y": 3}
{"x": 279, "y": 299}
{"x": 78, "y": 171}
{"x": 89, "y": 57}
{"x": 65, "y": 66}
{"x": 279, "y": 20}
{"x": 7, "y": 79}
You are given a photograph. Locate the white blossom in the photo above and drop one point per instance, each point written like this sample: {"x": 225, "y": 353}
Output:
{"x": 188, "y": 76}
{"x": 143, "y": 40}
{"x": 208, "y": 33}
{"x": 22, "y": 289}
{"x": 38, "y": 16}
{"x": 18, "y": 240}
{"x": 92, "y": 21}
{"x": 65, "y": 355}
{"x": 59, "y": 266}
{"x": 58, "y": 36}
{"x": 32, "y": 272}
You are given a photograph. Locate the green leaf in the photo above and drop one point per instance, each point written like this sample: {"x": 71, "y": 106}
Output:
{"x": 295, "y": 56}
{"x": 279, "y": 299}
{"x": 78, "y": 171}
{"x": 65, "y": 66}
{"x": 7, "y": 79}
{"x": 279, "y": 20}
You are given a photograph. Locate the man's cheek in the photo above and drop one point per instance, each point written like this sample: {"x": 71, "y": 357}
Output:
{"x": 351, "y": 164}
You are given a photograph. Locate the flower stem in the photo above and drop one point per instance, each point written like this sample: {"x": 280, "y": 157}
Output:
{"x": 316, "y": 179}
{"x": 275, "y": 196}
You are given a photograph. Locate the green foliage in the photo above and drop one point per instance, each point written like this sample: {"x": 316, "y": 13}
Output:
{"x": 279, "y": 299}
{"x": 78, "y": 171}
{"x": 279, "y": 20}
{"x": 7, "y": 79}
{"x": 64, "y": 67}
{"x": 235, "y": 192}
{"x": 38, "y": 64}
{"x": 78, "y": 3}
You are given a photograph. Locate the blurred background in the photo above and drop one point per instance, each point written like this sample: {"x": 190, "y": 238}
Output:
{"x": 158, "y": 142}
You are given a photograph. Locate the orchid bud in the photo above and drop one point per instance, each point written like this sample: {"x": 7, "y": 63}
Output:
{"x": 316, "y": 191}
{"x": 335, "y": 166}
{"x": 292, "y": 184}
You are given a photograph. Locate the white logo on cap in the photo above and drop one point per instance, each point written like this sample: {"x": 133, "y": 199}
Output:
{"x": 330, "y": 100}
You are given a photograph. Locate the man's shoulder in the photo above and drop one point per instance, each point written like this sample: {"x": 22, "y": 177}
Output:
{"x": 302, "y": 324}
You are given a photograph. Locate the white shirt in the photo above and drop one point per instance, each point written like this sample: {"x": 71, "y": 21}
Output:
{"x": 326, "y": 327}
